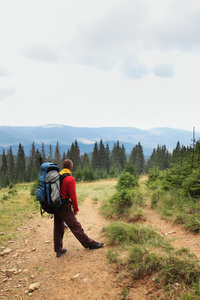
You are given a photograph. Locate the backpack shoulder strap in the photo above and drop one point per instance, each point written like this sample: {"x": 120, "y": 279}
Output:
{"x": 63, "y": 176}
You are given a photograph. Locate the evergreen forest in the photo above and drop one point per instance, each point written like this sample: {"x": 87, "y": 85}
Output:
{"x": 102, "y": 163}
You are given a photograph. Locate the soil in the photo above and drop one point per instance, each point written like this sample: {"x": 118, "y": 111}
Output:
{"x": 79, "y": 274}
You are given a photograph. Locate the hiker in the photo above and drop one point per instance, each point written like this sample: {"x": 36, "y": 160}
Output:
{"x": 67, "y": 215}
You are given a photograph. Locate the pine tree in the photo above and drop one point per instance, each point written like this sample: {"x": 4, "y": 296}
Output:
{"x": 160, "y": 158}
{"x": 37, "y": 159}
{"x": 4, "y": 179}
{"x": 63, "y": 157}
{"x": 123, "y": 158}
{"x": 107, "y": 158}
{"x": 151, "y": 161}
{"x": 137, "y": 159}
{"x": 95, "y": 157}
{"x": 32, "y": 171}
{"x": 50, "y": 157}
{"x": 77, "y": 157}
{"x": 118, "y": 157}
{"x": 4, "y": 164}
{"x": 85, "y": 160}
{"x": 74, "y": 154}
{"x": 20, "y": 164}
{"x": 44, "y": 159}
{"x": 57, "y": 157}
{"x": 11, "y": 166}
{"x": 102, "y": 156}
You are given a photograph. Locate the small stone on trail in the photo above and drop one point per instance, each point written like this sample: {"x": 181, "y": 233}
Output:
{"x": 75, "y": 276}
{"x": 15, "y": 255}
{"x": 7, "y": 251}
{"x": 10, "y": 272}
{"x": 34, "y": 286}
{"x": 170, "y": 232}
{"x": 25, "y": 270}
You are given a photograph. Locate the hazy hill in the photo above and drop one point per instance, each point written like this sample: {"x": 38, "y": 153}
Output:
{"x": 86, "y": 137}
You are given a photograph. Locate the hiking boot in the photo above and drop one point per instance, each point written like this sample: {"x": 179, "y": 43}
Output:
{"x": 59, "y": 254}
{"x": 96, "y": 245}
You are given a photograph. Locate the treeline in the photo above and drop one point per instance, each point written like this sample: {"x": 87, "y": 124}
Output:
{"x": 183, "y": 174}
{"x": 102, "y": 163}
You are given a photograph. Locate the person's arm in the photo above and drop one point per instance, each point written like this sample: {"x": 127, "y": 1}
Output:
{"x": 72, "y": 195}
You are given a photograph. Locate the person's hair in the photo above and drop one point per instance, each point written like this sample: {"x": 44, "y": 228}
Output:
{"x": 67, "y": 163}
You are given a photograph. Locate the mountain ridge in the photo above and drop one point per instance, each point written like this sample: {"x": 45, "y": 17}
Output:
{"x": 86, "y": 136}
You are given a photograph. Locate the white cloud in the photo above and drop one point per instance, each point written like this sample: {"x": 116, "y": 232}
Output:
{"x": 110, "y": 63}
{"x": 3, "y": 72}
{"x": 163, "y": 70}
{"x": 6, "y": 92}
{"x": 41, "y": 52}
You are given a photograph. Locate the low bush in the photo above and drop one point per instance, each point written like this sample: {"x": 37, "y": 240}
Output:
{"x": 119, "y": 233}
{"x": 191, "y": 185}
{"x": 126, "y": 181}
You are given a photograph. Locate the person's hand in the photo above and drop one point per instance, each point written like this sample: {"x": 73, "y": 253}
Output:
{"x": 75, "y": 213}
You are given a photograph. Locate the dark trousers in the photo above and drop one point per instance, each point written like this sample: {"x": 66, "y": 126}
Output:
{"x": 66, "y": 215}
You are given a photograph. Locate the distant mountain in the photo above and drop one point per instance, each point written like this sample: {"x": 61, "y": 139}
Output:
{"x": 86, "y": 137}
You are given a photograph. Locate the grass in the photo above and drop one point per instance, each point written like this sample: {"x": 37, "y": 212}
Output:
{"x": 119, "y": 233}
{"x": 138, "y": 251}
{"x": 178, "y": 208}
{"x": 146, "y": 253}
{"x": 98, "y": 190}
{"x": 114, "y": 208}
{"x": 16, "y": 206}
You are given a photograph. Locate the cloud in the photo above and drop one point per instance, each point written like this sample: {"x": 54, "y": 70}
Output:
{"x": 111, "y": 41}
{"x": 131, "y": 28}
{"x": 133, "y": 68}
{"x": 3, "y": 72}
{"x": 118, "y": 37}
{"x": 163, "y": 70}
{"x": 6, "y": 92}
{"x": 46, "y": 53}
{"x": 174, "y": 26}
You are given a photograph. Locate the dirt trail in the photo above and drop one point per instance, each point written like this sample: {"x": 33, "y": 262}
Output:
{"x": 80, "y": 274}
{"x": 178, "y": 236}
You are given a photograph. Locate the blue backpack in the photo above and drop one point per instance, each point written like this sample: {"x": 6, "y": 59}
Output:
{"x": 48, "y": 192}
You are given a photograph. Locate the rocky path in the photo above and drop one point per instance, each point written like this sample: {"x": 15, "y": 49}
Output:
{"x": 29, "y": 267}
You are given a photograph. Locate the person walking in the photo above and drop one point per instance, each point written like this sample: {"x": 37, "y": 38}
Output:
{"x": 67, "y": 215}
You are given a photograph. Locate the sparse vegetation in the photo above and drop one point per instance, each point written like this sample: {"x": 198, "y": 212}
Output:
{"x": 16, "y": 206}
{"x": 138, "y": 251}
{"x": 147, "y": 253}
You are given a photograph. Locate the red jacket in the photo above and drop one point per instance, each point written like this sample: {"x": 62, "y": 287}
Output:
{"x": 68, "y": 190}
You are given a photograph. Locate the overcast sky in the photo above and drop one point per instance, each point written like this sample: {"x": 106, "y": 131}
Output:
{"x": 101, "y": 63}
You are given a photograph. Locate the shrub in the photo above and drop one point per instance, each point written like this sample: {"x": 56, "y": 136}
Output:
{"x": 120, "y": 232}
{"x": 156, "y": 197}
{"x": 177, "y": 269}
{"x": 126, "y": 181}
{"x": 122, "y": 199}
{"x": 34, "y": 187}
{"x": 191, "y": 185}
{"x": 4, "y": 198}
